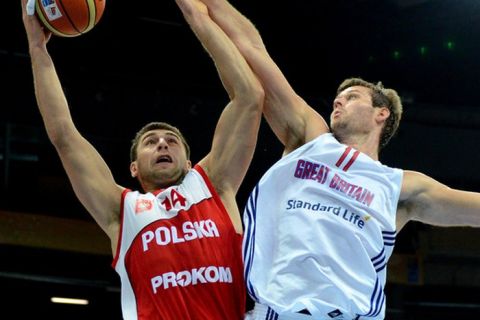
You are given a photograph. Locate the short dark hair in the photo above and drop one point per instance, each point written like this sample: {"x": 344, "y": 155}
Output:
{"x": 156, "y": 126}
{"x": 381, "y": 97}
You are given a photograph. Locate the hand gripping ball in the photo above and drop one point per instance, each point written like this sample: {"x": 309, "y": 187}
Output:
{"x": 69, "y": 18}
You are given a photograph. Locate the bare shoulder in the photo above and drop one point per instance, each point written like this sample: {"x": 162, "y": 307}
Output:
{"x": 215, "y": 176}
{"x": 414, "y": 183}
{"x": 406, "y": 206}
{"x": 312, "y": 126}
{"x": 315, "y": 125}
{"x": 420, "y": 193}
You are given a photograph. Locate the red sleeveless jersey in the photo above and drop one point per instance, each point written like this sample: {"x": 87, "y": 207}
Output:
{"x": 178, "y": 255}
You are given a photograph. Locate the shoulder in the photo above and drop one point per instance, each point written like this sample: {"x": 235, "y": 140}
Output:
{"x": 414, "y": 183}
{"x": 419, "y": 193}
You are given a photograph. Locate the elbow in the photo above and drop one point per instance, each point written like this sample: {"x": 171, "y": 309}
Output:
{"x": 258, "y": 93}
{"x": 249, "y": 102}
{"x": 249, "y": 47}
{"x": 60, "y": 134}
{"x": 254, "y": 98}
{"x": 57, "y": 138}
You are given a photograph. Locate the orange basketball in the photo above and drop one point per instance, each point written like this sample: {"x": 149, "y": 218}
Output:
{"x": 69, "y": 18}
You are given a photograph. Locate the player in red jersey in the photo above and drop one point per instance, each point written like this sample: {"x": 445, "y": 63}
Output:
{"x": 177, "y": 247}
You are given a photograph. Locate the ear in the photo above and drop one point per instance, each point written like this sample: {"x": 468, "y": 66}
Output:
{"x": 382, "y": 114}
{"x": 189, "y": 164}
{"x": 134, "y": 169}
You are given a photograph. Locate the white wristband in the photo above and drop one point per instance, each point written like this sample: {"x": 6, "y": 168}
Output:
{"x": 30, "y": 7}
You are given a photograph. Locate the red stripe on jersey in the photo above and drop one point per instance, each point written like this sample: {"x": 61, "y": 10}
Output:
{"x": 344, "y": 155}
{"x": 352, "y": 160}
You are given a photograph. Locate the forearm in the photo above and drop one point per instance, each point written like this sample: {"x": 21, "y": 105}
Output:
{"x": 293, "y": 121}
{"x": 236, "y": 132}
{"x": 236, "y": 75}
{"x": 49, "y": 94}
{"x": 234, "y": 24}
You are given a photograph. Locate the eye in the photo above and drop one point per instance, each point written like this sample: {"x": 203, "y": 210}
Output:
{"x": 172, "y": 140}
{"x": 149, "y": 142}
{"x": 352, "y": 96}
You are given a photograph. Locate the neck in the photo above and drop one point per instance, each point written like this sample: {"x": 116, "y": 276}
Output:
{"x": 162, "y": 182}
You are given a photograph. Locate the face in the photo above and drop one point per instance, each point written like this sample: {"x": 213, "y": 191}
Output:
{"x": 353, "y": 112}
{"x": 161, "y": 160}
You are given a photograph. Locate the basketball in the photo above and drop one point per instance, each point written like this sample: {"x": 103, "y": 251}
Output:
{"x": 69, "y": 18}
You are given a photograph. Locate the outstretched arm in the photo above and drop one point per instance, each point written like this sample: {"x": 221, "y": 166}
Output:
{"x": 236, "y": 131}
{"x": 290, "y": 117}
{"x": 90, "y": 177}
{"x": 427, "y": 200}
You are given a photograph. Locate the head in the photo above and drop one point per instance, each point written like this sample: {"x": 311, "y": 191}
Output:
{"x": 159, "y": 156}
{"x": 388, "y": 106}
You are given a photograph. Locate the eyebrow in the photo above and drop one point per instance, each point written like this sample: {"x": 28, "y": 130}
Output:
{"x": 152, "y": 133}
{"x": 355, "y": 90}
{"x": 351, "y": 91}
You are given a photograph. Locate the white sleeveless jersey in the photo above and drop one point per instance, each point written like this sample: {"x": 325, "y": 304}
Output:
{"x": 320, "y": 227}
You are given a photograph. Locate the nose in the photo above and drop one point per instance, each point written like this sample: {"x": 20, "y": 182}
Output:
{"x": 338, "y": 102}
{"x": 162, "y": 144}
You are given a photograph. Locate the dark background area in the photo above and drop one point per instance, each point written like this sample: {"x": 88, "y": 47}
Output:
{"x": 142, "y": 63}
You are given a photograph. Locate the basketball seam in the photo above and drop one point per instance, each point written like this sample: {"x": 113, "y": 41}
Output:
{"x": 88, "y": 24}
{"x": 91, "y": 19}
{"x": 68, "y": 17}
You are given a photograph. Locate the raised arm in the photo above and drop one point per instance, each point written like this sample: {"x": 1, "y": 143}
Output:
{"x": 236, "y": 131}
{"x": 427, "y": 200}
{"x": 90, "y": 177}
{"x": 290, "y": 117}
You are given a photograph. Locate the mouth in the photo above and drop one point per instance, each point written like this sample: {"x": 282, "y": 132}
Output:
{"x": 164, "y": 159}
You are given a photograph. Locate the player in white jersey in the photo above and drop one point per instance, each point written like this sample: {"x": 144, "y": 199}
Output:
{"x": 155, "y": 233}
{"x": 334, "y": 215}
{"x": 321, "y": 223}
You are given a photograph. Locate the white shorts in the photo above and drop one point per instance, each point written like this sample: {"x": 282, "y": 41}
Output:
{"x": 262, "y": 312}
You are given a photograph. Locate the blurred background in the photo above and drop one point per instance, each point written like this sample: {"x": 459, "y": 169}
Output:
{"x": 142, "y": 63}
